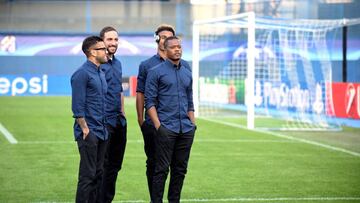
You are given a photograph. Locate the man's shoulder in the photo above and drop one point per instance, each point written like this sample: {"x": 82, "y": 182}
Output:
{"x": 186, "y": 64}
{"x": 82, "y": 68}
{"x": 116, "y": 61}
{"x": 105, "y": 66}
{"x": 114, "y": 66}
{"x": 80, "y": 72}
{"x": 159, "y": 65}
{"x": 153, "y": 57}
{"x": 184, "y": 61}
{"x": 151, "y": 62}
{"x": 157, "y": 68}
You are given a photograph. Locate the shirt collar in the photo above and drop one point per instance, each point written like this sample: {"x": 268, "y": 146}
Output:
{"x": 169, "y": 63}
{"x": 112, "y": 59}
{"x": 92, "y": 66}
{"x": 159, "y": 57}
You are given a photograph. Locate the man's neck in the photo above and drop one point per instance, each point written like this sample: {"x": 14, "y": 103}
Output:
{"x": 110, "y": 56}
{"x": 162, "y": 54}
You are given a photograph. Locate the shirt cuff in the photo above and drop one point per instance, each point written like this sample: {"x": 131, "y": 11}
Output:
{"x": 148, "y": 106}
{"x": 79, "y": 115}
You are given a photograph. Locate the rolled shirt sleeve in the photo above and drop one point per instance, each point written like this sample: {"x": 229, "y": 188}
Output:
{"x": 189, "y": 90}
{"x": 189, "y": 94}
{"x": 144, "y": 67}
{"x": 78, "y": 85}
{"x": 141, "y": 79}
{"x": 151, "y": 89}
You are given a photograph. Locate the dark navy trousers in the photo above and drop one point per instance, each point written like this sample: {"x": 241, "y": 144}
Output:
{"x": 172, "y": 151}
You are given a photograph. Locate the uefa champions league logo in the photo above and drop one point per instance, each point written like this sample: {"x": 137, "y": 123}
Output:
{"x": 8, "y": 44}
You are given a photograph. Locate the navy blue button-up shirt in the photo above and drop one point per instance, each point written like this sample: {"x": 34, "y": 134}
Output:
{"x": 113, "y": 75}
{"x": 144, "y": 68}
{"x": 169, "y": 89}
{"x": 88, "y": 99}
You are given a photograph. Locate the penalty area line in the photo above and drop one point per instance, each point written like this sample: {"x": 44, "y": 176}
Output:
{"x": 8, "y": 135}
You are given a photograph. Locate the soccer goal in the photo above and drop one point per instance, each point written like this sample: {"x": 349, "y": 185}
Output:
{"x": 265, "y": 73}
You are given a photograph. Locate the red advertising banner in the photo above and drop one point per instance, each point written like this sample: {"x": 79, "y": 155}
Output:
{"x": 129, "y": 86}
{"x": 133, "y": 83}
{"x": 346, "y": 100}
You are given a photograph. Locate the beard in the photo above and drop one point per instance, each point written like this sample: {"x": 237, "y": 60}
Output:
{"x": 102, "y": 60}
{"x": 176, "y": 57}
{"x": 111, "y": 50}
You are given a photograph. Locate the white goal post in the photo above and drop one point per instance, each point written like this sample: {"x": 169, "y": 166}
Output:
{"x": 269, "y": 73}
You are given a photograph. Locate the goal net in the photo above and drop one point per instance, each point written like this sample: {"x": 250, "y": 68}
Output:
{"x": 265, "y": 73}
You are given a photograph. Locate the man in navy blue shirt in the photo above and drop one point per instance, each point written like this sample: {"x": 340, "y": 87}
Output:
{"x": 89, "y": 88}
{"x": 169, "y": 104}
{"x": 115, "y": 115}
{"x": 147, "y": 128}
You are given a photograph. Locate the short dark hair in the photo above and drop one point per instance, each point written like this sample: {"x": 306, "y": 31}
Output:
{"x": 166, "y": 42}
{"x": 89, "y": 42}
{"x": 105, "y": 30}
{"x": 164, "y": 27}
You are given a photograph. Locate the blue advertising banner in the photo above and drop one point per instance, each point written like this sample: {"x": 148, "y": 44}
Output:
{"x": 43, "y": 64}
{"x": 43, "y": 85}
{"x": 30, "y": 85}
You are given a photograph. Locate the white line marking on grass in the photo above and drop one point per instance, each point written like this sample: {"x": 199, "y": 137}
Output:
{"x": 287, "y": 137}
{"x": 64, "y": 142}
{"x": 276, "y": 199}
{"x": 8, "y": 135}
{"x": 197, "y": 140}
{"x": 243, "y": 140}
{"x": 47, "y": 142}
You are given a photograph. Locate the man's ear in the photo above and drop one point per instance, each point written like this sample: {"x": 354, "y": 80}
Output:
{"x": 92, "y": 52}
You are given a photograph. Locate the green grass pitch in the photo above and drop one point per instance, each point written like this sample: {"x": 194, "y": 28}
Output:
{"x": 227, "y": 164}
